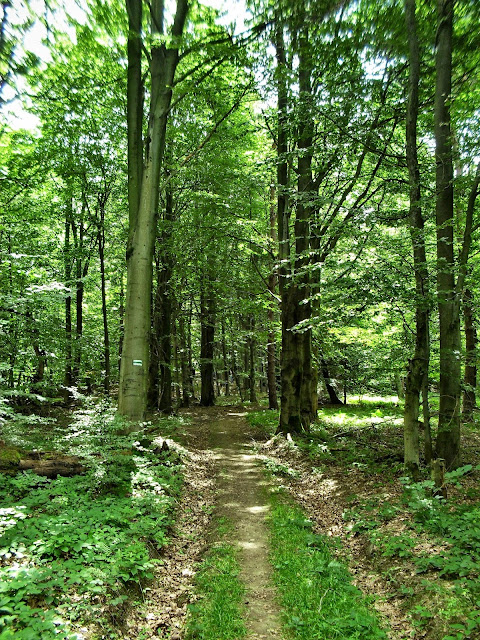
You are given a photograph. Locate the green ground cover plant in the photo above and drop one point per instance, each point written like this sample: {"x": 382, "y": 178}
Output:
{"x": 218, "y": 612}
{"x": 78, "y": 547}
{"x": 263, "y": 423}
{"x": 425, "y": 547}
{"x": 315, "y": 589}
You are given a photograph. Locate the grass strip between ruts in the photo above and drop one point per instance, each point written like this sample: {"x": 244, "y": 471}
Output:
{"x": 315, "y": 590}
{"x": 218, "y": 613}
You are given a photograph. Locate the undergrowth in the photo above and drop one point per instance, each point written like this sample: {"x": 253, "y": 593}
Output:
{"x": 426, "y": 549}
{"x": 440, "y": 541}
{"x": 318, "y": 598}
{"x": 76, "y": 549}
{"x": 218, "y": 612}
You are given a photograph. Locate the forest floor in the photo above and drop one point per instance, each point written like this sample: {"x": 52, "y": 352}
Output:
{"x": 414, "y": 559}
{"x": 350, "y": 486}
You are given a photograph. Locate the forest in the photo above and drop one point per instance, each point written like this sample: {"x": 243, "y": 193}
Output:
{"x": 239, "y": 276}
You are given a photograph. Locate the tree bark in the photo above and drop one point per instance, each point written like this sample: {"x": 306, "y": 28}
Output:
{"x": 106, "y": 335}
{"x": 68, "y": 379}
{"x": 160, "y": 384}
{"x": 332, "y": 394}
{"x": 448, "y": 438}
{"x": 471, "y": 340}
{"x": 207, "y": 323}
{"x": 183, "y": 347}
{"x": 418, "y": 365}
{"x": 251, "y": 360}
{"x": 290, "y": 362}
{"x": 272, "y": 285}
{"x": 135, "y": 352}
{"x": 226, "y": 368}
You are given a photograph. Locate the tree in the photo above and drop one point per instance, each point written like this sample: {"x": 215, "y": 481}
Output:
{"x": 144, "y": 179}
{"x": 449, "y": 285}
{"x": 417, "y": 375}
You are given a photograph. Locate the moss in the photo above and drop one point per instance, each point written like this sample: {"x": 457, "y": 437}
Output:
{"x": 9, "y": 458}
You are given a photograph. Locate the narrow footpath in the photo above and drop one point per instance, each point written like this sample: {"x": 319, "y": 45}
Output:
{"x": 242, "y": 497}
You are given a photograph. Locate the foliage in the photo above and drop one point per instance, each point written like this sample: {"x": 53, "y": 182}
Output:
{"x": 439, "y": 540}
{"x": 315, "y": 588}
{"x": 76, "y": 545}
{"x": 217, "y": 614}
{"x": 263, "y": 423}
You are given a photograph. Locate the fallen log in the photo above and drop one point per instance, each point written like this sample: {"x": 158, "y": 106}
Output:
{"x": 51, "y": 468}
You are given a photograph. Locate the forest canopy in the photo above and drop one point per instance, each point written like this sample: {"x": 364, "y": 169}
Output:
{"x": 295, "y": 195}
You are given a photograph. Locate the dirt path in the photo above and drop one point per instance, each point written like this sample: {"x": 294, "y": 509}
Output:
{"x": 243, "y": 498}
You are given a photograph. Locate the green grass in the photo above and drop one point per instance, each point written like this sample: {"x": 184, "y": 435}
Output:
{"x": 316, "y": 593}
{"x": 218, "y": 612}
{"x": 77, "y": 549}
{"x": 263, "y": 423}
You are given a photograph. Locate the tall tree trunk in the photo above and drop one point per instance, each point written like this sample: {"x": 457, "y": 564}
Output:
{"x": 469, "y": 400}
{"x": 121, "y": 317}
{"x": 236, "y": 377}
{"x": 135, "y": 353}
{"x": 290, "y": 362}
{"x": 272, "y": 285}
{"x": 251, "y": 360}
{"x": 183, "y": 347}
{"x": 106, "y": 335}
{"x": 418, "y": 365}
{"x": 165, "y": 343}
{"x": 68, "y": 379}
{"x": 448, "y": 438}
{"x": 77, "y": 359}
{"x": 304, "y": 213}
{"x": 226, "y": 368}
{"x": 191, "y": 370}
{"x": 160, "y": 371}
{"x": 207, "y": 324}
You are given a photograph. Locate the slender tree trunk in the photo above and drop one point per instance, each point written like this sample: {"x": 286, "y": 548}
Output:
{"x": 332, "y": 394}
{"x": 68, "y": 379}
{"x": 236, "y": 377}
{"x": 226, "y": 368}
{"x": 155, "y": 338}
{"x": 77, "y": 360}
{"x": 304, "y": 214}
{"x": 135, "y": 353}
{"x": 191, "y": 370}
{"x": 160, "y": 385}
{"x": 448, "y": 438}
{"x": 272, "y": 285}
{"x": 207, "y": 323}
{"x": 469, "y": 400}
{"x": 106, "y": 335}
{"x": 183, "y": 347}
{"x": 418, "y": 365}
{"x": 121, "y": 316}
{"x": 251, "y": 360}
{"x": 165, "y": 341}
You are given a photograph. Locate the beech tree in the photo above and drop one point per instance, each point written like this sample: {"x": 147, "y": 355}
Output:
{"x": 451, "y": 272}
{"x": 144, "y": 182}
{"x": 417, "y": 374}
